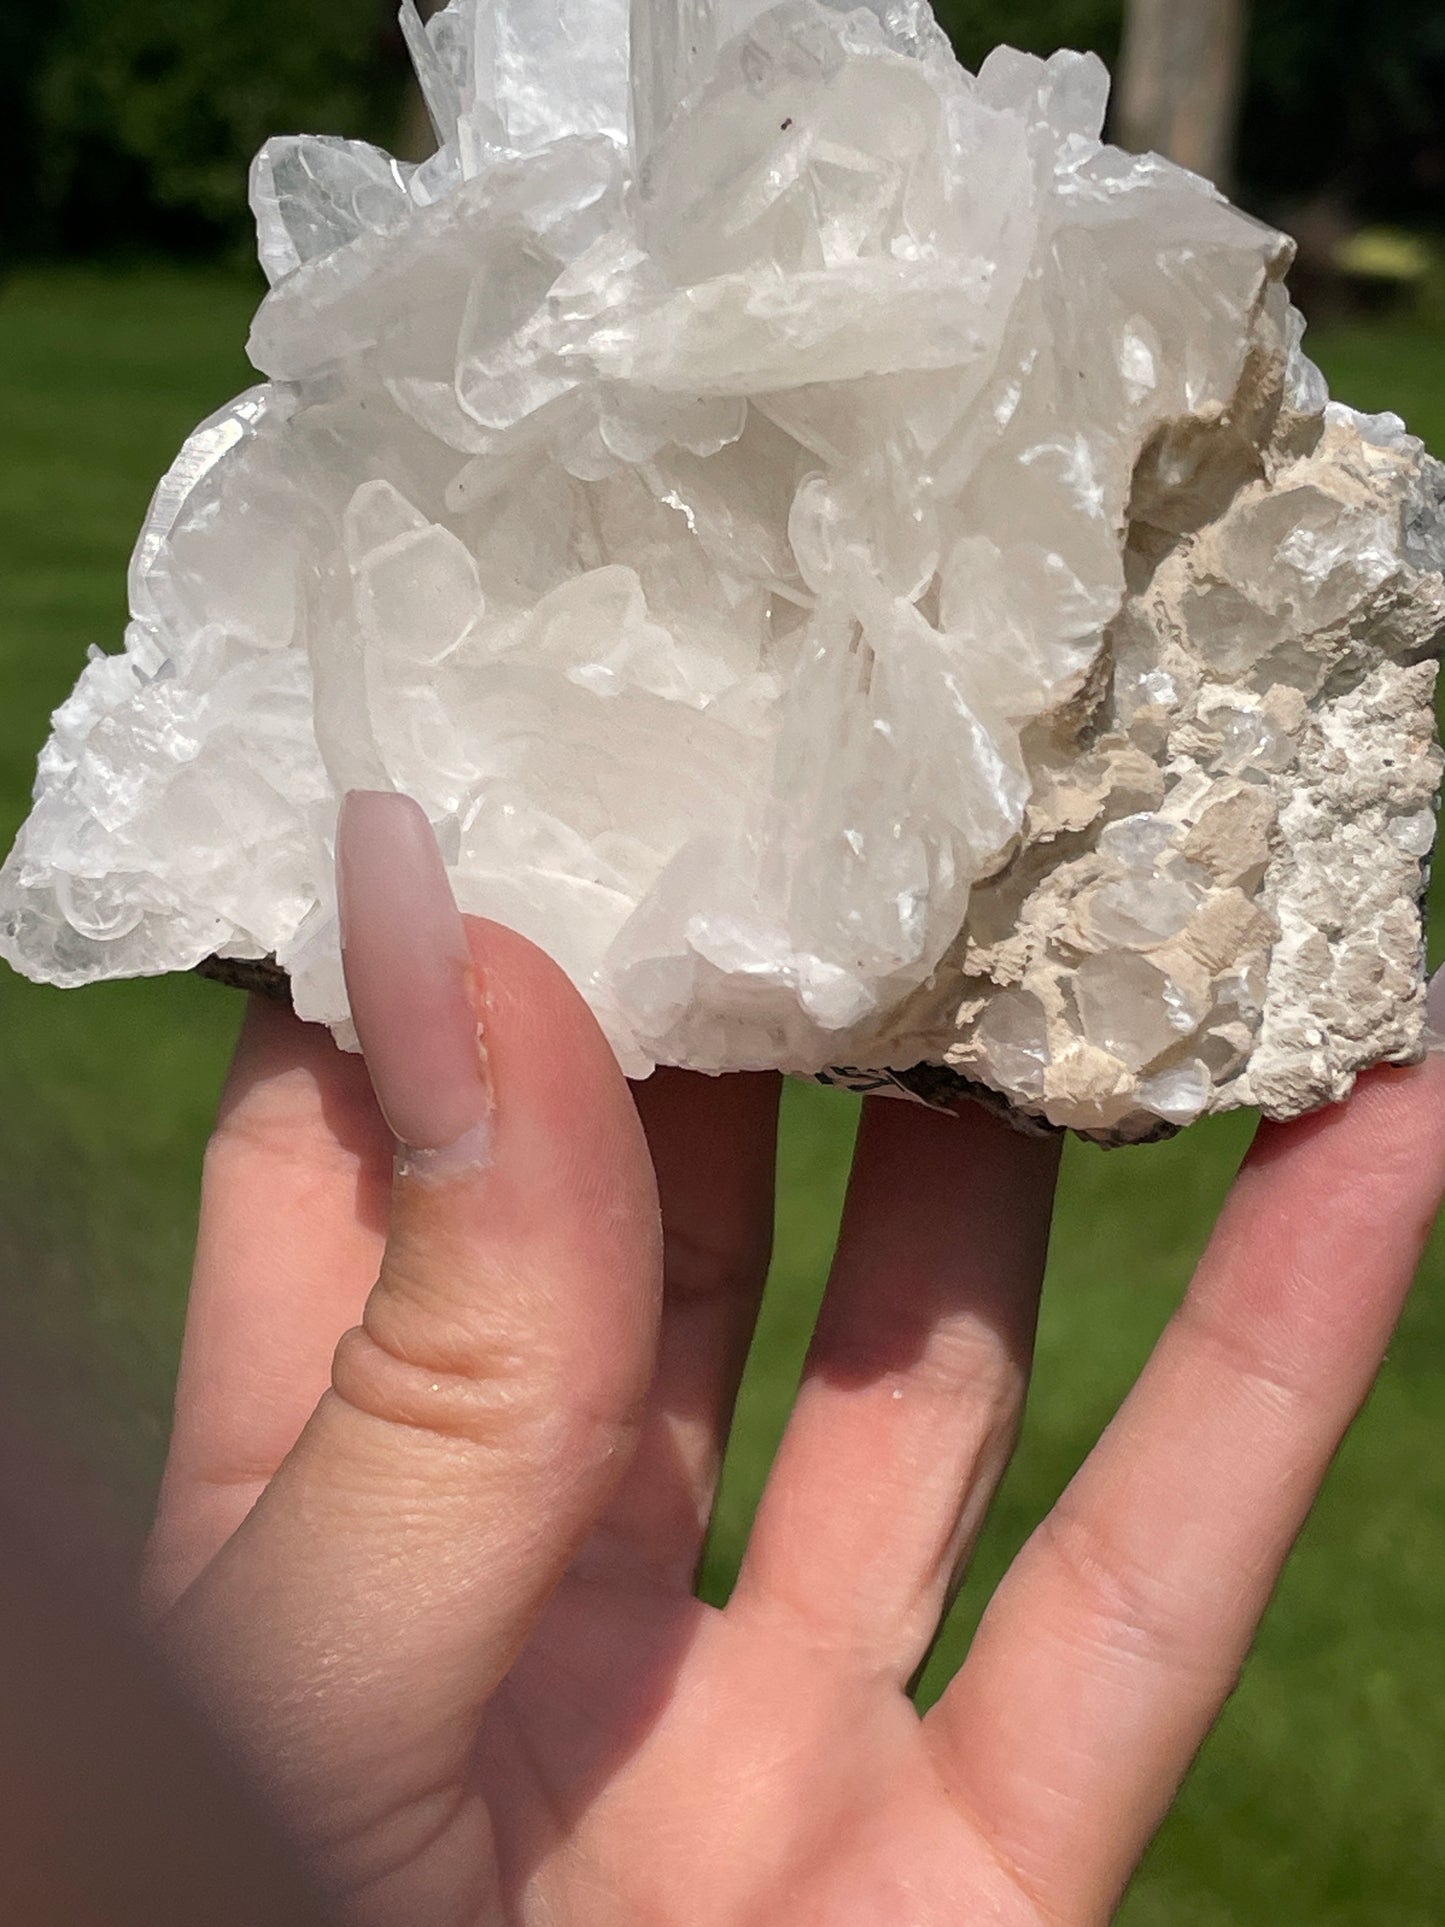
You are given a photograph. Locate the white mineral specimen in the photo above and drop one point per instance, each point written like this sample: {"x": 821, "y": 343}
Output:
{"x": 859, "y": 570}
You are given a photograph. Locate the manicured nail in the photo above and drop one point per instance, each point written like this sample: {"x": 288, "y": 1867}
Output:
{"x": 1435, "y": 1011}
{"x": 410, "y": 979}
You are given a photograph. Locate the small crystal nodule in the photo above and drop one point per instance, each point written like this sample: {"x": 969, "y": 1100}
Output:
{"x": 858, "y": 569}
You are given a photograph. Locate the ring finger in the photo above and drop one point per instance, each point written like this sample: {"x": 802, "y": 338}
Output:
{"x": 914, "y": 1384}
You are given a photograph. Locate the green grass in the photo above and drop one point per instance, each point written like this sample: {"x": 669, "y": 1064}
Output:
{"x": 106, "y": 1093}
{"x": 1316, "y": 1801}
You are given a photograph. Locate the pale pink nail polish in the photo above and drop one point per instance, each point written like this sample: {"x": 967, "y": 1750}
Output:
{"x": 409, "y": 976}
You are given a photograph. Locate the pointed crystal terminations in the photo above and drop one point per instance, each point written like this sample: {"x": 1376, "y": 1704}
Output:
{"x": 857, "y": 568}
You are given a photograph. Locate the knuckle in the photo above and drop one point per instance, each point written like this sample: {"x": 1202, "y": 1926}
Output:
{"x": 232, "y": 1140}
{"x": 267, "y": 1111}
{"x": 969, "y": 1357}
{"x": 276, "y": 1138}
{"x": 444, "y": 1351}
{"x": 477, "y": 1365}
{"x": 956, "y": 1361}
{"x": 1263, "y": 1355}
{"x": 485, "y": 1405}
{"x": 1122, "y": 1606}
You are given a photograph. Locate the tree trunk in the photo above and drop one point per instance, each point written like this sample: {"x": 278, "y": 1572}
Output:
{"x": 1180, "y": 82}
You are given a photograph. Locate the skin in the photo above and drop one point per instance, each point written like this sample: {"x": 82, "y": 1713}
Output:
{"x": 445, "y": 1452}
{"x": 117, "y": 1807}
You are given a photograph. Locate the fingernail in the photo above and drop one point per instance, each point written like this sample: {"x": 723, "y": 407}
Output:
{"x": 410, "y": 979}
{"x": 1435, "y": 1012}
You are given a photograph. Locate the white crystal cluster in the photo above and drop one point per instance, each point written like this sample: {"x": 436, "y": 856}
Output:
{"x": 858, "y": 569}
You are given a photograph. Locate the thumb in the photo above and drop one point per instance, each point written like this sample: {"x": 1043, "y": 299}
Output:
{"x": 482, "y": 1412}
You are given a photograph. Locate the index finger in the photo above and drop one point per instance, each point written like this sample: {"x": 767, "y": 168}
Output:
{"x": 292, "y": 1227}
{"x": 1120, "y": 1631}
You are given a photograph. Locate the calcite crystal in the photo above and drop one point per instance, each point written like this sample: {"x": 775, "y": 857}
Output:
{"x": 858, "y": 569}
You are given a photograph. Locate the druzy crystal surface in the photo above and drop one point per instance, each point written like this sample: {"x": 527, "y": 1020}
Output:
{"x": 858, "y": 569}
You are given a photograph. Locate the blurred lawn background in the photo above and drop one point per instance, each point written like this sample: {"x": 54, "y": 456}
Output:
{"x": 1319, "y": 1799}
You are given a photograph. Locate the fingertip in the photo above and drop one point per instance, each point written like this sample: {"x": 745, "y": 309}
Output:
{"x": 1330, "y": 1213}
{"x": 1395, "y": 1112}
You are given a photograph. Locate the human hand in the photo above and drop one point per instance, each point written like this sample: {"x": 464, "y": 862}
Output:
{"x": 446, "y": 1608}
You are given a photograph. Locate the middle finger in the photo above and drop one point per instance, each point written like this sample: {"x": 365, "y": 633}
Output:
{"x": 714, "y": 1148}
